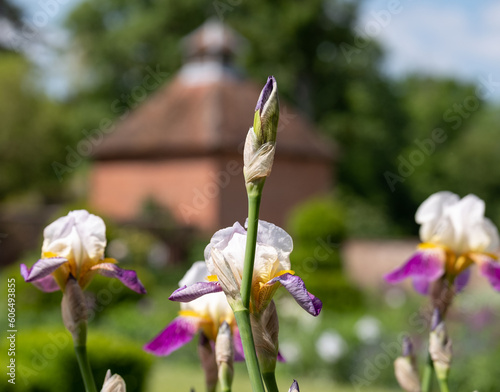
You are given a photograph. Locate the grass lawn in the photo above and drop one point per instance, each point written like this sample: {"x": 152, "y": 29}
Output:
{"x": 178, "y": 376}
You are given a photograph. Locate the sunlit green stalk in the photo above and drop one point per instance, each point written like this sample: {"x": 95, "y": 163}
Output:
{"x": 427, "y": 377}
{"x": 243, "y": 315}
{"x": 270, "y": 381}
{"x": 83, "y": 363}
{"x": 225, "y": 377}
{"x": 443, "y": 385}
{"x": 254, "y": 197}
{"x": 243, "y": 319}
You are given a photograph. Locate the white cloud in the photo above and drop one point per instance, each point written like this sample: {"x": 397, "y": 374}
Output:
{"x": 448, "y": 38}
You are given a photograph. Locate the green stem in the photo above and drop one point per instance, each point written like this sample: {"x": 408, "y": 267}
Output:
{"x": 254, "y": 197}
{"x": 243, "y": 319}
{"x": 427, "y": 378}
{"x": 443, "y": 384}
{"x": 83, "y": 363}
{"x": 270, "y": 381}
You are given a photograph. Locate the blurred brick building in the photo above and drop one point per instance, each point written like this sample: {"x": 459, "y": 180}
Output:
{"x": 183, "y": 146}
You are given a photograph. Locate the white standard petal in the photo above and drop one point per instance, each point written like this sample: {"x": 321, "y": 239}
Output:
{"x": 270, "y": 234}
{"x": 464, "y": 216}
{"x": 267, "y": 263}
{"x": 222, "y": 237}
{"x": 197, "y": 273}
{"x": 234, "y": 252}
{"x": 77, "y": 236}
{"x": 430, "y": 213}
{"x": 213, "y": 306}
{"x": 482, "y": 237}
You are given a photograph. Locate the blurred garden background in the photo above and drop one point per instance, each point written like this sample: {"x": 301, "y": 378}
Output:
{"x": 396, "y": 130}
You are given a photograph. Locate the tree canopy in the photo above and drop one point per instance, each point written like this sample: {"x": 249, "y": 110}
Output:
{"x": 399, "y": 140}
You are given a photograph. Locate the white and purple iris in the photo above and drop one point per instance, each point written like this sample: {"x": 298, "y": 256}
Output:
{"x": 205, "y": 315}
{"x": 73, "y": 246}
{"x": 224, "y": 257}
{"x": 455, "y": 234}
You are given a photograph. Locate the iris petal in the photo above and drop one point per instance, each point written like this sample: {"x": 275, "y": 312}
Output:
{"x": 197, "y": 290}
{"x": 238, "y": 346}
{"x": 47, "y": 284}
{"x": 424, "y": 266}
{"x": 421, "y": 286}
{"x": 41, "y": 268}
{"x": 296, "y": 287}
{"x": 127, "y": 277}
{"x": 461, "y": 280}
{"x": 491, "y": 270}
{"x": 178, "y": 333}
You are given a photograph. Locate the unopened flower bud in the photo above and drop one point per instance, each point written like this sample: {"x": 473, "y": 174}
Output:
{"x": 224, "y": 355}
{"x": 207, "y": 359}
{"x": 74, "y": 311}
{"x": 405, "y": 368}
{"x": 265, "y": 328}
{"x": 440, "y": 347}
{"x": 260, "y": 143}
{"x": 294, "y": 387}
{"x": 436, "y": 319}
{"x": 267, "y": 113}
{"x": 113, "y": 383}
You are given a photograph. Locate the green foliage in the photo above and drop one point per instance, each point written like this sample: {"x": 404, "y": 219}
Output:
{"x": 318, "y": 218}
{"x": 318, "y": 228}
{"x": 33, "y": 133}
{"x": 47, "y": 363}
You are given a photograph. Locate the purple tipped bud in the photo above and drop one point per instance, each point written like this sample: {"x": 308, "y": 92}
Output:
{"x": 294, "y": 387}
{"x": 436, "y": 319}
{"x": 407, "y": 347}
{"x": 265, "y": 93}
{"x": 267, "y": 112}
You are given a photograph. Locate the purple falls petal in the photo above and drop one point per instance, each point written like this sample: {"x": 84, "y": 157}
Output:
{"x": 420, "y": 285}
{"x": 47, "y": 284}
{"x": 239, "y": 355}
{"x": 491, "y": 270}
{"x": 281, "y": 358}
{"x": 42, "y": 268}
{"x": 178, "y": 333}
{"x": 424, "y": 266}
{"x": 296, "y": 287}
{"x": 197, "y": 290}
{"x": 462, "y": 280}
{"x": 127, "y": 277}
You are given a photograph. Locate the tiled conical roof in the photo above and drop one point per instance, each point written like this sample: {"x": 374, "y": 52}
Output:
{"x": 206, "y": 109}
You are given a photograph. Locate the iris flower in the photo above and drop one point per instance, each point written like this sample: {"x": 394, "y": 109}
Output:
{"x": 224, "y": 257}
{"x": 73, "y": 246}
{"x": 205, "y": 314}
{"x": 455, "y": 234}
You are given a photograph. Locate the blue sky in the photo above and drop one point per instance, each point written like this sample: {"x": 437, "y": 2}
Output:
{"x": 458, "y": 38}
{"x": 447, "y": 38}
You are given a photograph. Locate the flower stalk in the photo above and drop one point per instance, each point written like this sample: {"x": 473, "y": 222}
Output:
{"x": 74, "y": 314}
{"x": 254, "y": 198}
{"x": 427, "y": 377}
{"x": 440, "y": 350}
{"x": 84, "y": 365}
{"x": 270, "y": 381}
{"x": 224, "y": 355}
{"x": 243, "y": 319}
{"x": 258, "y": 159}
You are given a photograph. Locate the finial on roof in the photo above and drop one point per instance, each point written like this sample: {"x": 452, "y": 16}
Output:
{"x": 209, "y": 51}
{"x": 212, "y": 40}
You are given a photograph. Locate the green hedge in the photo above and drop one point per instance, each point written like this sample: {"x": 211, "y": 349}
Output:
{"x": 46, "y": 362}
